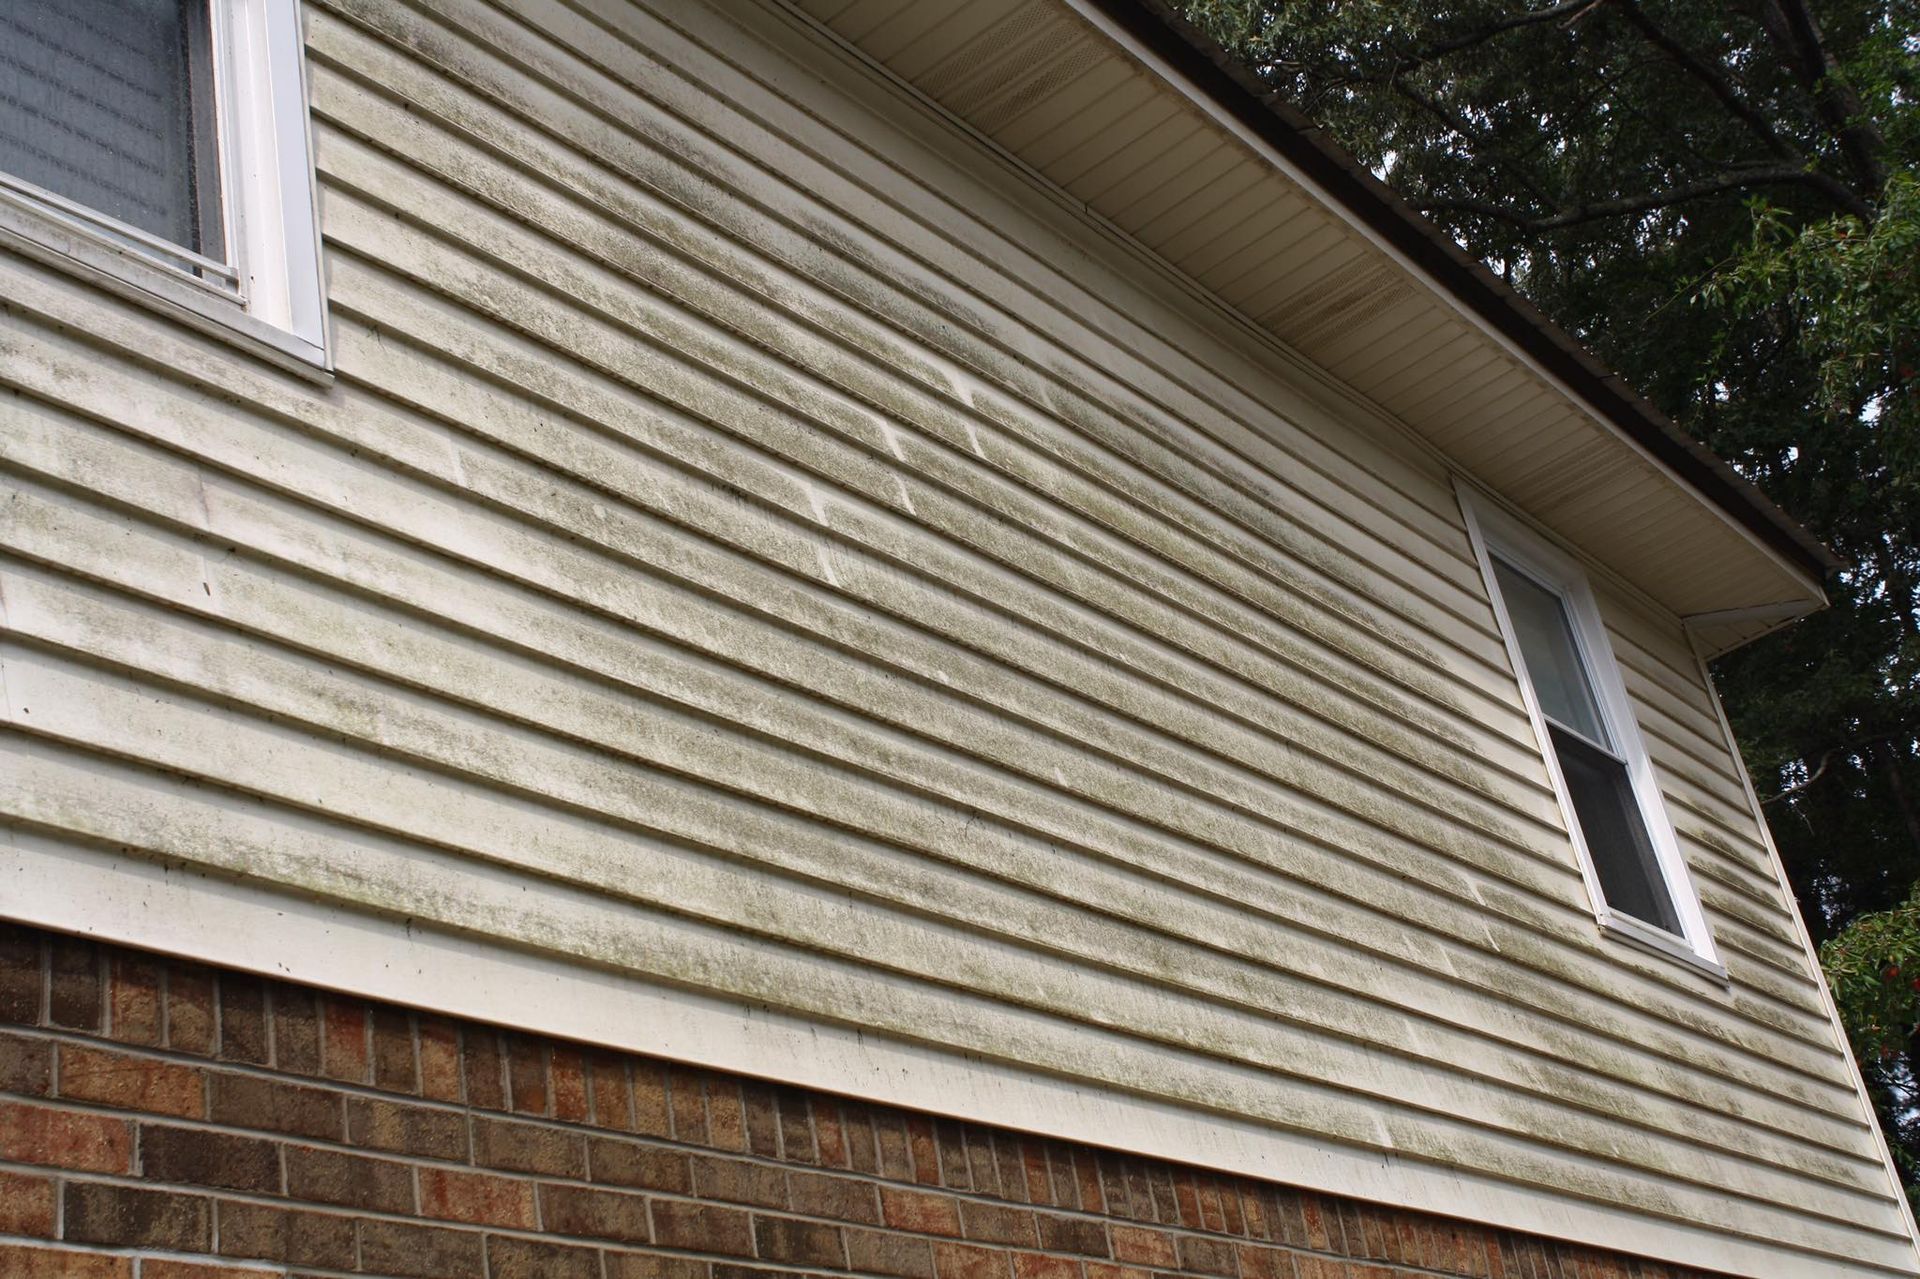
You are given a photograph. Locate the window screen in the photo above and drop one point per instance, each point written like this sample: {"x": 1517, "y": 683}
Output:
{"x": 1590, "y": 760}
{"x": 109, "y": 103}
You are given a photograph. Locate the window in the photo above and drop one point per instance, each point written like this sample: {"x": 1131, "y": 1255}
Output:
{"x": 160, "y": 147}
{"x": 1574, "y": 695}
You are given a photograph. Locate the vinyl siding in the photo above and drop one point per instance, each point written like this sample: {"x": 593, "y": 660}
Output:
{"x": 757, "y": 545}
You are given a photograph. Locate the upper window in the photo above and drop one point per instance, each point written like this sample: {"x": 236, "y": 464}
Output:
{"x": 1579, "y": 707}
{"x": 162, "y": 145}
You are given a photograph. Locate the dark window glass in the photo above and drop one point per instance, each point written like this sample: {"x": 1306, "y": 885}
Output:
{"x": 110, "y": 104}
{"x": 1616, "y": 836}
{"x": 1596, "y": 777}
{"x": 1540, "y": 623}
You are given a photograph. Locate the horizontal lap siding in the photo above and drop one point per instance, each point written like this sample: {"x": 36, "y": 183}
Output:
{"x": 719, "y": 562}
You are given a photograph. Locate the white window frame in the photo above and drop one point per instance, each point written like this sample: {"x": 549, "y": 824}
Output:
{"x": 1493, "y": 532}
{"x": 272, "y": 298}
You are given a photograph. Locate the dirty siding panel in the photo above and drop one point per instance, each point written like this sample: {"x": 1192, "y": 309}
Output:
{"x": 841, "y": 585}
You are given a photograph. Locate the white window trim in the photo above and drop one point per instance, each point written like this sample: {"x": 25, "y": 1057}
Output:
{"x": 277, "y": 305}
{"x": 1492, "y": 531}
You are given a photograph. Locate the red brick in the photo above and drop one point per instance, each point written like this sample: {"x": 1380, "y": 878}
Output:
{"x": 343, "y": 1040}
{"x": 653, "y": 1265}
{"x": 567, "y": 1076}
{"x": 243, "y": 1019}
{"x": 394, "y": 1069}
{"x": 131, "y": 1217}
{"x": 518, "y": 1147}
{"x": 426, "y": 1131}
{"x": 863, "y": 1151}
{"x": 651, "y": 1113}
{"x": 1085, "y": 1236}
{"x": 69, "y": 1139}
{"x": 1230, "y": 1205}
{"x": 248, "y": 1101}
{"x": 927, "y": 1214}
{"x": 994, "y": 1223}
{"x": 1033, "y": 1160}
{"x": 264, "y": 1233}
{"x": 827, "y": 1132}
{"x": 1211, "y": 1216}
{"x": 22, "y": 975}
{"x": 420, "y": 1252}
{"x": 1102, "y": 1270}
{"x": 1253, "y": 1207}
{"x": 1143, "y": 1246}
{"x": 133, "y": 999}
{"x": 46, "y": 1263}
{"x": 849, "y": 1199}
{"x": 702, "y": 1228}
{"x": 608, "y": 1092}
{"x": 1040, "y": 1265}
{"x": 439, "y": 1059}
{"x": 26, "y": 1065}
{"x": 1259, "y": 1261}
{"x": 75, "y": 994}
{"x": 982, "y": 1167}
{"x": 796, "y": 1129}
{"x": 477, "y": 1198}
{"x": 925, "y": 1154}
{"x": 1086, "y": 1175}
{"x": 527, "y": 1076}
{"x": 967, "y": 1261}
{"x": 762, "y": 1119}
{"x": 894, "y": 1145}
{"x": 351, "y": 1181}
{"x": 1013, "y": 1171}
{"x": 509, "y": 1258}
{"x": 483, "y": 1068}
{"x": 160, "y": 1268}
{"x": 198, "y": 1157}
{"x": 296, "y": 1029}
{"x": 955, "y": 1171}
{"x": 739, "y": 1181}
{"x": 131, "y": 1083}
{"x": 726, "y": 1116}
{"x": 638, "y": 1165}
{"x": 686, "y": 1095}
{"x": 190, "y": 1021}
{"x": 800, "y": 1243}
{"x": 594, "y": 1214}
{"x": 1204, "y": 1256}
{"x": 26, "y": 1205}
{"x": 881, "y": 1252}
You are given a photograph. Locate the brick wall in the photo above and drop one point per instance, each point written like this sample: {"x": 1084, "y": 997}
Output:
{"x": 165, "y": 1120}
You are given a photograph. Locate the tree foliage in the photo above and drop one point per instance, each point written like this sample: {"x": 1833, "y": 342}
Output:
{"x": 1723, "y": 200}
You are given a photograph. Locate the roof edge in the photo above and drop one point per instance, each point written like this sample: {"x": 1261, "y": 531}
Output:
{"x": 1215, "y": 72}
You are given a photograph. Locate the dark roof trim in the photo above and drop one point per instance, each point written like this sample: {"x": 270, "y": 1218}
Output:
{"x": 1309, "y": 148}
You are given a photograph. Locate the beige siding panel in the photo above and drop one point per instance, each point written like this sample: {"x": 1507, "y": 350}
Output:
{"x": 976, "y": 434}
{"x": 755, "y": 546}
{"x": 302, "y": 469}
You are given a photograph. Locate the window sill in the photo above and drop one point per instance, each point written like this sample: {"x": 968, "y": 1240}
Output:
{"x": 1645, "y": 937}
{"x": 27, "y": 229}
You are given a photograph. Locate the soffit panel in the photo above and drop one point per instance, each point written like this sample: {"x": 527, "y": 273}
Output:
{"x": 1042, "y": 83}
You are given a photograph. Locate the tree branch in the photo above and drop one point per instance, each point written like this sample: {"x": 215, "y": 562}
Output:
{"x": 1731, "y": 180}
{"x": 1715, "y": 80}
{"x": 1793, "y": 27}
{"x": 1569, "y": 9}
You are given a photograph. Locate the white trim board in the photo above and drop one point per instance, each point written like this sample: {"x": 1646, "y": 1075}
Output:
{"x": 170, "y": 909}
